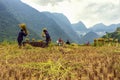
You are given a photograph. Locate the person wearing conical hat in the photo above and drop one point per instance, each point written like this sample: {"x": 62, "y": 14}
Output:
{"x": 47, "y": 36}
{"x": 21, "y": 34}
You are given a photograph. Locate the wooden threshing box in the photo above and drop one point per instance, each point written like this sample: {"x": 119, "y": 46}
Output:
{"x": 36, "y": 44}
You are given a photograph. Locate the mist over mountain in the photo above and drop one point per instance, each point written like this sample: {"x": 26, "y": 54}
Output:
{"x": 89, "y": 37}
{"x": 36, "y": 20}
{"x": 64, "y": 24}
{"x": 80, "y": 28}
{"x": 14, "y": 12}
{"x": 98, "y": 30}
{"x": 101, "y": 29}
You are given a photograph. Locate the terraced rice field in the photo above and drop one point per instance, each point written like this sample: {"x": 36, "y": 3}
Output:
{"x": 59, "y": 63}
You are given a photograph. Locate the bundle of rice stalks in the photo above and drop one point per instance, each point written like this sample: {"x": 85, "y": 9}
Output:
{"x": 33, "y": 39}
{"x": 27, "y": 39}
{"x": 42, "y": 34}
{"x": 39, "y": 40}
{"x": 23, "y": 27}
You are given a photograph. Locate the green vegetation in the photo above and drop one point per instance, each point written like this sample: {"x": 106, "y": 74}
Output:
{"x": 57, "y": 24}
{"x": 114, "y": 35}
{"x": 9, "y": 25}
{"x": 66, "y": 62}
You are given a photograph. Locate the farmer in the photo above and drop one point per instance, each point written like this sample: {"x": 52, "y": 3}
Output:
{"x": 20, "y": 37}
{"x": 47, "y": 36}
{"x": 68, "y": 42}
{"x": 21, "y": 34}
{"x": 60, "y": 42}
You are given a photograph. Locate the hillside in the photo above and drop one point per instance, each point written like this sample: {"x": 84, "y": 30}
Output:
{"x": 57, "y": 62}
{"x": 64, "y": 23}
{"x": 9, "y": 25}
{"x": 98, "y": 27}
{"x": 37, "y": 20}
{"x": 89, "y": 37}
{"x": 79, "y": 26}
{"x": 114, "y": 35}
{"x": 101, "y": 27}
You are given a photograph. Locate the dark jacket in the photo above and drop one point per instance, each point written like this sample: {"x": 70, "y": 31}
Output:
{"x": 46, "y": 34}
{"x": 21, "y": 35}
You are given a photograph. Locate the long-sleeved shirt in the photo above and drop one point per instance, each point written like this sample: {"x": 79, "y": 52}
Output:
{"x": 21, "y": 35}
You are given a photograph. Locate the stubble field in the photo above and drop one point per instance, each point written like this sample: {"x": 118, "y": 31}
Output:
{"x": 59, "y": 62}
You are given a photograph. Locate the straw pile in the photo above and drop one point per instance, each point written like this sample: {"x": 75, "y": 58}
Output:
{"x": 23, "y": 27}
{"x": 43, "y": 34}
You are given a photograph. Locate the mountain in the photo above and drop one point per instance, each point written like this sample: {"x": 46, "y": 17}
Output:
{"x": 114, "y": 35}
{"x": 9, "y": 25}
{"x": 79, "y": 26}
{"x": 64, "y": 24}
{"x": 113, "y": 27}
{"x": 57, "y": 24}
{"x": 100, "y": 27}
{"x": 89, "y": 37}
{"x": 36, "y": 20}
{"x": 98, "y": 30}
{"x": 88, "y": 34}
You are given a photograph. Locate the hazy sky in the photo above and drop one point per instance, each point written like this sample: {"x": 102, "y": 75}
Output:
{"x": 89, "y": 12}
